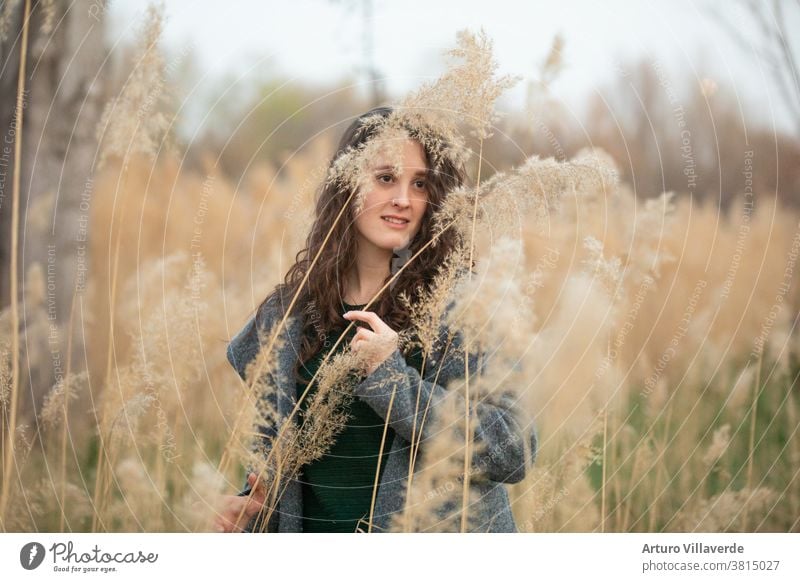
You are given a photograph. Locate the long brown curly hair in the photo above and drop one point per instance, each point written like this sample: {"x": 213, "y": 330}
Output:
{"x": 321, "y": 296}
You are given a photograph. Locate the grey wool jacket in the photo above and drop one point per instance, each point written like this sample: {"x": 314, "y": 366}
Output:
{"x": 496, "y": 424}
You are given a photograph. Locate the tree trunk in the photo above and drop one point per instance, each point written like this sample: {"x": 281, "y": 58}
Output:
{"x": 62, "y": 105}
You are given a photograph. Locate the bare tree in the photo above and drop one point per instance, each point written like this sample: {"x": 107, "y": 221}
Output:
{"x": 773, "y": 43}
{"x": 61, "y": 104}
{"x": 368, "y": 66}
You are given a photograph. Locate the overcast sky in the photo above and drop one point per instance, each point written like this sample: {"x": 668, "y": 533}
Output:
{"x": 319, "y": 41}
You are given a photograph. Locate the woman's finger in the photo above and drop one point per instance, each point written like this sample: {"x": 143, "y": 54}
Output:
{"x": 228, "y": 520}
{"x": 369, "y": 317}
{"x": 260, "y": 490}
{"x": 359, "y": 337}
{"x": 365, "y": 334}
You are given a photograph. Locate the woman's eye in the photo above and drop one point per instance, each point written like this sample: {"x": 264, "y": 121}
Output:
{"x": 420, "y": 184}
{"x": 385, "y": 178}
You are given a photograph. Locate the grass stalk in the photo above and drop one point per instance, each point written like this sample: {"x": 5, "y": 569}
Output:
{"x": 15, "y": 200}
{"x": 467, "y": 425}
{"x": 751, "y": 440}
{"x": 104, "y": 461}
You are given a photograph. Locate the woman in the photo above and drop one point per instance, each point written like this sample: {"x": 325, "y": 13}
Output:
{"x": 388, "y": 217}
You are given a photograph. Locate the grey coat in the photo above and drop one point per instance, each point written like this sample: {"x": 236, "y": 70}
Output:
{"x": 498, "y": 425}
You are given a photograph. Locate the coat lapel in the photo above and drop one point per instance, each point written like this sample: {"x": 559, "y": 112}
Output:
{"x": 290, "y": 506}
{"x": 287, "y": 357}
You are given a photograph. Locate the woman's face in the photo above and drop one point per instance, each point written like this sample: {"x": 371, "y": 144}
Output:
{"x": 395, "y": 204}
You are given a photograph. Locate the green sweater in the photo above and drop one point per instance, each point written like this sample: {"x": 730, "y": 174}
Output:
{"x": 337, "y": 488}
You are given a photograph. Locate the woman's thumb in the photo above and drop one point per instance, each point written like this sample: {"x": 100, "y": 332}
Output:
{"x": 258, "y": 494}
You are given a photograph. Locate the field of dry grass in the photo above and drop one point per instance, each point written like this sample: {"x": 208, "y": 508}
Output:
{"x": 651, "y": 340}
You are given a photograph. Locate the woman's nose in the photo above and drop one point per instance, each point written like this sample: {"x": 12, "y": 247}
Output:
{"x": 401, "y": 198}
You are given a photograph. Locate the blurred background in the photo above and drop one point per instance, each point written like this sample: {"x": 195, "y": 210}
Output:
{"x": 252, "y": 85}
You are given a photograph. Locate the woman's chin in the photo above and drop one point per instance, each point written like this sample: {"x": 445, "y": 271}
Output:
{"x": 397, "y": 242}
{"x": 391, "y": 243}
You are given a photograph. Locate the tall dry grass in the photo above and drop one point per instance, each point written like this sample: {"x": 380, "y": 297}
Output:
{"x": 636, "y": 334}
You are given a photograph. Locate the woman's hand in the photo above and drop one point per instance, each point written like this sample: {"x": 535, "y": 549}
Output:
{"x": 376, "y": 344}
{"x": 227, "y": 518}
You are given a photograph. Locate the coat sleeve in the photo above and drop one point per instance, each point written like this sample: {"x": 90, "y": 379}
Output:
{"x": 497, "y": 424}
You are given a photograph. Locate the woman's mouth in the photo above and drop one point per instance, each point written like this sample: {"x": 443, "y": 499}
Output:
{"x": 393, "y": 222}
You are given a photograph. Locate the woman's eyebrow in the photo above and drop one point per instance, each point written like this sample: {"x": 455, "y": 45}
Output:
{"x": 423, "y": 173}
